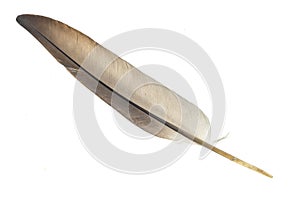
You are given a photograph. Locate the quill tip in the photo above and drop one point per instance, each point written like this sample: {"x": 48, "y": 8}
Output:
{"x": 250, "y": 166}
{"x": 241, "y": 162}
{"x": 267, "y": 174}
{"x": 231, "y": 157}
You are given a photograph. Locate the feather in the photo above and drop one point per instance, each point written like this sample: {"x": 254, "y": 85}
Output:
{"x": 129, "y": 91}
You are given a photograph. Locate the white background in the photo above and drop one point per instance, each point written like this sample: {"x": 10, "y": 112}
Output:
{"x": 255, "y": 46}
